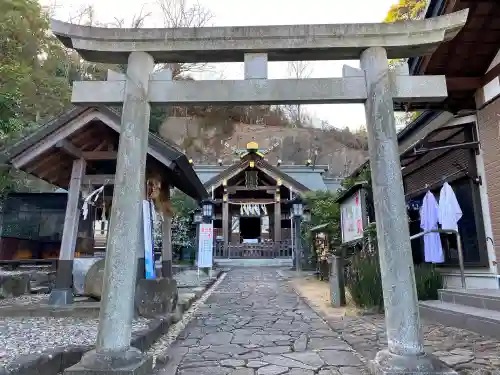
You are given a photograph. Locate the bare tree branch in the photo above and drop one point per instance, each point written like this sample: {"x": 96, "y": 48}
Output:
{"x": 137, "y": 21}
{"x": 177, "y": 14}
{"x": 298, "y": 70}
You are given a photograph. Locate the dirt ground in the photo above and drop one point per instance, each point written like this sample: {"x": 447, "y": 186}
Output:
{"x": 317, "y": 294}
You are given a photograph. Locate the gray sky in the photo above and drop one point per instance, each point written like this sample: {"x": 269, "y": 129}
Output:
{"x": 259, "y": 12}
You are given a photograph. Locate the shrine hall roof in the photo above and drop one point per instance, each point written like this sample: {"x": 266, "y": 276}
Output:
{"x": 307, "y": 176}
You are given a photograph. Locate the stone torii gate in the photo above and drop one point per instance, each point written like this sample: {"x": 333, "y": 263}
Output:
{"x": 374, "y": 85}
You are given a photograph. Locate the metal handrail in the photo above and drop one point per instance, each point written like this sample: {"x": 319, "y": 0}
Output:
{"x": 459, "y": 246}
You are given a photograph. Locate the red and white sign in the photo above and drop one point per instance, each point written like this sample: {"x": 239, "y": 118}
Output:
{"x": 205, "y": 246}
{"x": 351, "y": 218}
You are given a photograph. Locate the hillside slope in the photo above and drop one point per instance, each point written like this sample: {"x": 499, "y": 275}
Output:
{"x": 341, "y": 150}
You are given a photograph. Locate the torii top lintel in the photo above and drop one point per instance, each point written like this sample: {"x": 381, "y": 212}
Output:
{"x": 281, "y": 43}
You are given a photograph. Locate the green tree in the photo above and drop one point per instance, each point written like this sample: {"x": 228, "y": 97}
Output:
{"x": 182, "y": 204}
{"x": 29, "y": 90}
{"x": 406, "y": 10}
{"x": 363, "y": 175}
{"x": 182, "y": 231}
{"x": 324, "y": 210}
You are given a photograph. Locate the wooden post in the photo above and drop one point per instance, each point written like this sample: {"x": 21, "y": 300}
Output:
{"x": 166, "y": 251}
{"x": 164, "y": 204}
{"x": 225, "y": 222}
{"x": 277, "y": 218}
{"x": 62, "y": 294}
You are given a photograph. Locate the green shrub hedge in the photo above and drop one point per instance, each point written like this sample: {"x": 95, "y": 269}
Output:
{"x": 362, "y": 279}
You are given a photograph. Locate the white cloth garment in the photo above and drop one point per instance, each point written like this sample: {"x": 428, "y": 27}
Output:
{"x": 87, "y": 200}
{"x": 433, "y": 251}
{"x": 449, "y": 209}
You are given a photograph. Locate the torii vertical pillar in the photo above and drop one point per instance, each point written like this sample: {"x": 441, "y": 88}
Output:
{"x": 113, "y": 350}
{"x": 405, "y": 353}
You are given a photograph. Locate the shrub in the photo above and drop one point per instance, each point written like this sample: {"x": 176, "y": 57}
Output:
{"x": 365, "y": 285}
{"x": 362, "y": 278}
{"x": 428, "y": 280}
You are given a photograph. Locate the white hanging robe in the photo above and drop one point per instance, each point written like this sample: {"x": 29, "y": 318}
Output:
{"x": 433, "y": 250}
{"x": 449, "y": 209}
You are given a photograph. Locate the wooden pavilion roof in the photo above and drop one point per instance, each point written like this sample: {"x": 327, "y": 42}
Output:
{"x": 93, "y": 134}
{"x": 465, "y": 59}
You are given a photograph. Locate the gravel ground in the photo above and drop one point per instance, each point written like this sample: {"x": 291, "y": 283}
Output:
{"x": 26, "y": 299}
{"x": 190, "y": 278}
{"x": 24, "y": 271}
{"x": 21, "y": 336}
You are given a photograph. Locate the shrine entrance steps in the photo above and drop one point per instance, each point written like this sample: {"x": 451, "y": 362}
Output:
{"x": 476, "y": 310}
{"x": 261, "y": 262}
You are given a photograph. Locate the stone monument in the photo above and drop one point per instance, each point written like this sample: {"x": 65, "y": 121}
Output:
{"x": 374, "y": 85}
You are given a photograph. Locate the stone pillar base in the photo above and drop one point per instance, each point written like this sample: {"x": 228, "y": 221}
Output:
{"x": 131, "y": 362}
{"x": 166, "y": 268}
{"x": 387, "y": 363}
{"x": 336, "y": 281}
{"x": 155, "y": 297}
{"x": 141, "y": 269}
{"x": 62, "y": 294}
{"x": 60, "y": 297}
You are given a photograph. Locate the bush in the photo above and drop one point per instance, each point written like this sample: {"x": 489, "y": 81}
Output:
{"x": 365, "y": 286}
{"x": 428, "y": 280}
{"x": 363, "y": 281}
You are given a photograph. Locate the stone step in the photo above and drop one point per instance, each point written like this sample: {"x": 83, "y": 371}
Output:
{"x": 483, "y": 321}
{"x": 481, "y": 298}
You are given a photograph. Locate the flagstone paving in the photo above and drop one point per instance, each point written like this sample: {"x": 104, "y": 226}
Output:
{"x": 254, "y": 324}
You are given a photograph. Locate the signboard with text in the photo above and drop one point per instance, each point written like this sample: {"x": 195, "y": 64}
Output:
{"x": 352, "y": 217}
{"x": 205, "y": 246}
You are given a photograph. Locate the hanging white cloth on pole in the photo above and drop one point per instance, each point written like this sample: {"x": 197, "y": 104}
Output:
{"x": 429, "y": 215}
{"x": 95, "y": 194}
{"x": 449, "y": 209}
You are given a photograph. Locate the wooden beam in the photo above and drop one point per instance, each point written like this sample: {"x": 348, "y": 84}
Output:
{"x": 72, "y": 215}
{"x": 254, "y": 200}
{"x": 99, "y": 155}
{"x": 464, "y": 83}
{"x": 70, "y": 149}
{"x": 47, "y": 160}
{"x": 492, "y": 74}
{"x": 436, "y": 146}
{"x": 99, "y": 179}
{"x": 87, "y": 133}
{"x": 44, "y": 173}
{"x": 232, "y": 189}
{"x": 57, "y": 173}
{"x": 101, "y": 146}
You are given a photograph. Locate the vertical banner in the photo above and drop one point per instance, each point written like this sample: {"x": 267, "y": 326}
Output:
{"x": 205, "y": 246}
{"x": 149, "y": 259}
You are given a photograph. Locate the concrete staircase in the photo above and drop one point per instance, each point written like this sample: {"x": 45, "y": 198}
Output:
{"x": 100, "y": 241}
{"x": 242, "y": 262}
{"x": 476, "y": 310}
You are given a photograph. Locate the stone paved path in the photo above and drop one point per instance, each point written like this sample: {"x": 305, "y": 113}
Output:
{"x": 254, "y": 324}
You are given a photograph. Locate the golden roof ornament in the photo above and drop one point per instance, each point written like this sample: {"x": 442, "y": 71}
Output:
{"x": 252, "y": 146}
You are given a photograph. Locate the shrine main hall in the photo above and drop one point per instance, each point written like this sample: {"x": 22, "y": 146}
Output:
{"x": 251, "y": 203}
